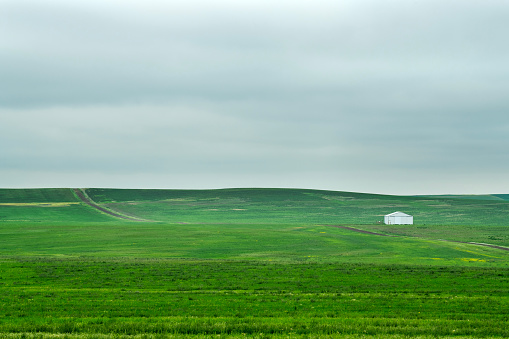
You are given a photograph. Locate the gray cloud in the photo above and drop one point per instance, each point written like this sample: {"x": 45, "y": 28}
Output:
{"x": 354, "y": 95}
{"x": 88, "y": 53}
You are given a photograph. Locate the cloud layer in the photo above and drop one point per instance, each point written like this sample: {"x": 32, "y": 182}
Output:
{"x": 391, "y": 97}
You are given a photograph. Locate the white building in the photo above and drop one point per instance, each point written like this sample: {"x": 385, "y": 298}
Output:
{"x": 398, "y": 218}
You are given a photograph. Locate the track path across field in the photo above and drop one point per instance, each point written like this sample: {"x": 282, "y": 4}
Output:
{"x": 389, "y": 235}
{"x": 87, "y": 200}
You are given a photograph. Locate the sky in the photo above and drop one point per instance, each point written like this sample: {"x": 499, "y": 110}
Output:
{"x": 391, "y": 97}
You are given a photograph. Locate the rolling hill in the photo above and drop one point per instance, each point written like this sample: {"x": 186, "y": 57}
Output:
{"x": 268, "y": 224}
{"x": 261, "y": 263}
{"x": 298, "y": 205}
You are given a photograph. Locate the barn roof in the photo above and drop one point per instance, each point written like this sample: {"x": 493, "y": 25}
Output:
{"x": 398, "y": 214}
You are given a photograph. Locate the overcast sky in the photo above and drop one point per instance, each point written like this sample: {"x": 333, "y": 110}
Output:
{"x": 394, "y": 96}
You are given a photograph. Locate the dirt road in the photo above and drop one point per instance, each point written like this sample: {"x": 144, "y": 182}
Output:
{"x": 388, "y": 235}
{"x": 361, "y": 231}
{"x": 83, "y": 197}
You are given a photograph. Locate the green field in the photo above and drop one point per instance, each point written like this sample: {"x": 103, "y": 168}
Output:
{"x": 298, "y": 206}
{"x": 251, "y": 263}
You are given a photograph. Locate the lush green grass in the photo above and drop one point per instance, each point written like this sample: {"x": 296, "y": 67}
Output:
{"x": 250, "y": 262}
{"x": 46, "y": 195}
{"x": 502, "y": 196}
{"x": 264, "y": 206}
{"x": 252, "y": 224}
{"x": 298, "y": 206}
{"x": 471, "y": 196}
{"x": 236, "y": 297}
{"x": 45, "y": 205}
{"x": 467, "y": 196}
{"x": 243, "y": 242}
{"x": 57, "y": 214}
{"x": 496, "y": 235}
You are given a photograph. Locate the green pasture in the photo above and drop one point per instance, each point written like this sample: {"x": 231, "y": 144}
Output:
{"x": 250, "y": 206}
{"x": 251, "y": 263}
{"x": 496, "y": 235}
{"x": 39, "y": 195}
{"x": 282, "y": 206}
{"x": 218, "y": 298}
{"x": 268, "y": 242}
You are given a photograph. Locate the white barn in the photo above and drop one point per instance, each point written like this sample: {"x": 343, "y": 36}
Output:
{"x": 398, "y": 218}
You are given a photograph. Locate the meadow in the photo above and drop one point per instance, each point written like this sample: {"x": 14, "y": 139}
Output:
{"x": 189, "y": 297}
{"x": 251, "y": 263}
{"x": 282, "y": 206}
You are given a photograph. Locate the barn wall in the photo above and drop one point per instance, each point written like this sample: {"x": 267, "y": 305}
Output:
{"x": 398, "y": 220}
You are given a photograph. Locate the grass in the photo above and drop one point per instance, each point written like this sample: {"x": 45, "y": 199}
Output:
{"x": 297, "y": 206}
{"x": 250, "y": 263}
{"x": 46, "y": 195}
{"x": 496, "y": 235}
{"x": 282, "y": 243}
{"x": 250, "y": 206}
{"x": 185, "y": 297}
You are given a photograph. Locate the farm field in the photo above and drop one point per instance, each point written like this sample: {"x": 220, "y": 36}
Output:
{"x": 239, "y": 298}
{"x": 251, "y": 263}
{"x": 281, "y": 206}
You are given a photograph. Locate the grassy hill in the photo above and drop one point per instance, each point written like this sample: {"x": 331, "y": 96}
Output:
{"x": 276, "y": 206}
{"x": 54, "y": 205}
{"x": 502, "y": 196}
{"x": 282, "y": 206}
{"x": 252, "y": 224}
{"x": 259, "y": 263}
{"x": 476, "y": 219}
{"x": 42, "y": 195}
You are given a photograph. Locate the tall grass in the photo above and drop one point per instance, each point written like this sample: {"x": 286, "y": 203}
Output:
{"x": 250, "y": 263}
{"x": 133, "y": 297}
